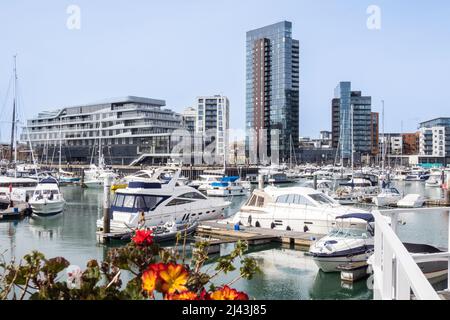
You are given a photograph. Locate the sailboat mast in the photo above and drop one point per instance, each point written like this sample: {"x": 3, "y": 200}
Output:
{"x": 13, "y": 127}
{"x": 100, "y": 143}
{"x": 383, "y": 151}
{"x": 60, "y": 143}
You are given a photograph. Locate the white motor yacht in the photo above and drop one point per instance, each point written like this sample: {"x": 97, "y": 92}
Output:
{"x": 47, "y": 199}
{"x": 434, "y": 182}
{"x": 227, "y": 186}
{"x": 159, "y": 200}
{"x": 205, "y": 180}
{"x": 387, "y": 196}
{"x": 95, "y": 176}
{"x": 296, "y": 208}
{"x": 16, "y": 189}
{"x": 344, "y": 245}
{"x": 411, "y": 201}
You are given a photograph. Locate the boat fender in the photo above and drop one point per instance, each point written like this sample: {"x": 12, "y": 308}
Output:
{"x": 272, "y": 225}
{"x": 257, "y": 225}
{"x": 288, "y": 228}
{"x": 305, "y": 228}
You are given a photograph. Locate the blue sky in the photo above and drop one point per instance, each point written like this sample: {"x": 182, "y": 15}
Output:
{"x": 179, "y": 49}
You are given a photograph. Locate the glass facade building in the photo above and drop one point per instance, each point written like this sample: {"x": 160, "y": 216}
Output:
{"x": 354, "y": 126}
{"x": 126, "y": 128}
{"x": 272, "y": 87}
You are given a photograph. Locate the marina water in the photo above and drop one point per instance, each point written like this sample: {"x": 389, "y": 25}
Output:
{"x": 286, "y": 273}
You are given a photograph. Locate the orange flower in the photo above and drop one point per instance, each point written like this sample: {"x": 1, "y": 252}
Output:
{"x": 186, "y": 295}
{"x": 143, "y": 237}
{"x": 149, "y": 280}
{"x": 226, "y": 293}
{"x": 174, "y": 278}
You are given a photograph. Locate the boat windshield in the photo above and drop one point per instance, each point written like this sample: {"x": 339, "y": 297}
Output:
{"x": 350, "y": 233}
{"x": 134, "y": 203}
{"x": 321, "y": 198}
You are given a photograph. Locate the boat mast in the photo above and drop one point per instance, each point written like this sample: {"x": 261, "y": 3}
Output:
{"x": 13, "y": 127}
{"x": 383, "y": 151}
{"x": 60, "y": 142}
{"x": 100, "y": 143}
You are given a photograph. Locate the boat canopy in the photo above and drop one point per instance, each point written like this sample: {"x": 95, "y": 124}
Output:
{"x": 229, "y": 179}
{"x": 363, "y": 216}
{"x": 48, "y": 180}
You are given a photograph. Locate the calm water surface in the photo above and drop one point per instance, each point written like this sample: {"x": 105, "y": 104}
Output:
{"x": 286, "y": 273}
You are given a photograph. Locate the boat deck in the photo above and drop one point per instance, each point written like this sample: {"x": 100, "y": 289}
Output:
{"x": 253, "y": 235}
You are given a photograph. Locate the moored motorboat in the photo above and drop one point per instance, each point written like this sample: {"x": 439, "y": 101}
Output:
{"x": 387, "y": 196}
{"x": 158, "y": 201}
{"x": 295, "y": 208}
{"x": 47, "y": 199}
{"x": 411, "y": 201}
{"x": 344, "y": 245}
{"x": 227, "y": 186}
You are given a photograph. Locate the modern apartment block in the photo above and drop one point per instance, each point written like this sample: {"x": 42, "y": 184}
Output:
{"x": 189, "y": 116}
{"x": 213, "y": 121}
{"x": 126, "y": 128}
{"x": 392, "y": 143}
{"x": 354, "y": 127}
{"x": 411, "y": 143}
{"x": 434, "y": 139}
{"x": 272, "y": 89}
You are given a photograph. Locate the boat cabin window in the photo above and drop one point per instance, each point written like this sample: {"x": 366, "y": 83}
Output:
{"x": 177, "y": 202}
{"x": 260, "y": 202}
{"x": 294, "y": 199}
{"x": 252, "y": 201}
{"x": 321, "y": 198}
{"x": 193, "y": 195}
{"x": 137, "y": 202}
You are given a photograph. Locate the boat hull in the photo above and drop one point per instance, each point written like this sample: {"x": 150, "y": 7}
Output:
{"x": 47, "y": 208}
{"x": 331, "y": 264}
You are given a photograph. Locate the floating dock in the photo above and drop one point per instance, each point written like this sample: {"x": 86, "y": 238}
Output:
{"x": 225, "y": 233}
{"x": 19, "y": 211}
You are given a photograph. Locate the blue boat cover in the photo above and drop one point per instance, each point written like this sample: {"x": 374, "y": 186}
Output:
{"x": 229, "y": 179}
{"x": 219, "y": 184}
{"x": 49, "y": 180}
{"x": 363, "y": 216}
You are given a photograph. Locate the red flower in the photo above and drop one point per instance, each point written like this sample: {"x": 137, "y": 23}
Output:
{"x": 226, "y": 293}
{"x": 143, "y": 237}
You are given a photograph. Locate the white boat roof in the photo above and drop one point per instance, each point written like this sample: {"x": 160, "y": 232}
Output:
{"x": 4, "y": 179}
{"x": 275, "y": 192}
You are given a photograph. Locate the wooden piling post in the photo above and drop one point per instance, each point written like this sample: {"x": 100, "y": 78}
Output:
{"x": 82, "y": 178}
{"x": 315, "y": 182}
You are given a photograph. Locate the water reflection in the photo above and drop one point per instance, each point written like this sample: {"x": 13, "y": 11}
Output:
{"x": 286, "y": 273}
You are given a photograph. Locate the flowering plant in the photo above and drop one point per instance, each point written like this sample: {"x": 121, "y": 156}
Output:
{"x": 155, "y": 273}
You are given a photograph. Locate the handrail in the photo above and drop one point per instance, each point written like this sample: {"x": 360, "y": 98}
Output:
{"x": 395, "y": 271}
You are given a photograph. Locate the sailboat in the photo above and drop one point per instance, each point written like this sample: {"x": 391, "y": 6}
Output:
{"x": 95, "y": 175}
{"x": 64, "y": 176}
{"x": 15, "y": 190}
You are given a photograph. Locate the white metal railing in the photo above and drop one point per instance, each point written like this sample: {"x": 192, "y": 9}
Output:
{"x": 396, "y": 272}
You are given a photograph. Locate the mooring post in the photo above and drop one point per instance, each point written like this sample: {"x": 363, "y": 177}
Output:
{"x": 82, "y": 177}
{"x": 106, "y": 204}
{"x": 315, "y": 182}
